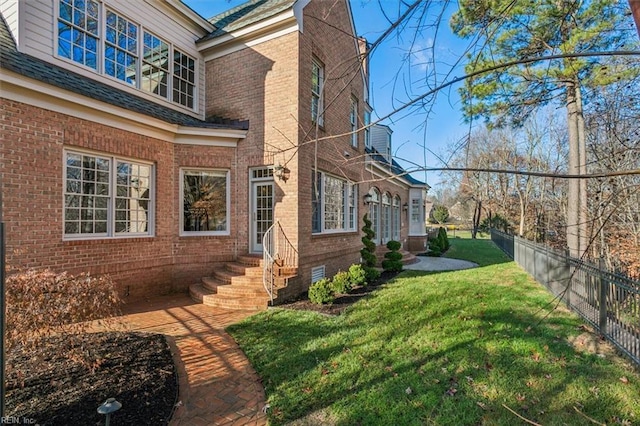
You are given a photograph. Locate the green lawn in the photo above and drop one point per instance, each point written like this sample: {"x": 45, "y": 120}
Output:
{"x": 451, "y": 348}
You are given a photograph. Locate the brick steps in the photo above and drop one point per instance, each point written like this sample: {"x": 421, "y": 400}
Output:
{"x": 407, "y": 257}
{"x": 237, "y": 285}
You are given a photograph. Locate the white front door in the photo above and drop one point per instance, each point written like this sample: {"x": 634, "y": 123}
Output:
{"x": 262, "y": 212}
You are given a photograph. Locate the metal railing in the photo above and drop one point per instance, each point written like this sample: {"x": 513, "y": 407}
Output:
{"x": 278, "y": 254}
{"x": 608, "y": 301}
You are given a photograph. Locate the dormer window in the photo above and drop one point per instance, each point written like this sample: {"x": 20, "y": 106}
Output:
{"x": 126, "y": 51}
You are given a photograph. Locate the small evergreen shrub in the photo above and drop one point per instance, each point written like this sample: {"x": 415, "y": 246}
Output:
{"x": 369, "y": 249}
{"x": 341, "y": 283}
{"x": 371, "y": 274}
{"x": 321, "y": 292}
{"x": 357, "y": 275}
{"x": 392, "y": 261}
{"x": 444, "y": 239}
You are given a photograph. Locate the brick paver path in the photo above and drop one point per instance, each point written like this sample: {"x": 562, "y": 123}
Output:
{"x": 218, "y": 386}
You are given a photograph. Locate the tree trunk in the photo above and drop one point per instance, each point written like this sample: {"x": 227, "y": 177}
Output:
{"x": 573, "y": 193}
{"x": 476, "y": 219}
{"x": 583, "y": 214}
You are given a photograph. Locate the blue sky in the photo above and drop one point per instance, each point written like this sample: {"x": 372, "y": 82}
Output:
{"x": 398, "y": 71}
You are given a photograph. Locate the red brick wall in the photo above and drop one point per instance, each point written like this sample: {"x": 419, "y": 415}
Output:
{"x": 33, "y": 140}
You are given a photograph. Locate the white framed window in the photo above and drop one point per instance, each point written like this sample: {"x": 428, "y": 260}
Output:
{"x": 106, "y": 196}
{"x": 415, "y": 210}
{"x": 374, "y": 212}
{"x": 395, "y": 214}
{"x": 106, "y": 41}
{"x": 385, "y": 223}
{"x": 317, "y": 84}
{"x": 353, "y": 121}
{"x": 333, "y": 204}
{"x": 367, "y": 130}
{"x": 121, "y": 48}
{"x": 206, "y": 203}
{"x": 79, "y": 31}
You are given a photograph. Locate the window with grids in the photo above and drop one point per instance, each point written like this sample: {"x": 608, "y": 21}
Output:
{"x": 353, "y": 120}
{"x": 374, "y": 212}
{"x": 367, "y": 130}
{"x": 317, "y": 83}
{"x": 205, "y": 202}
{"x": 78, "y": 31}
{"x": 184, "y": 78}
{"x": 385, "y": 223}
{"x": 333, "y": 204}
{"x": 155, "y": 65}
{"x": 113, "y": 45}
{"x": 396, "y": 218}
{"x": 121, "y": 48}
{"x": 106, "y": 196}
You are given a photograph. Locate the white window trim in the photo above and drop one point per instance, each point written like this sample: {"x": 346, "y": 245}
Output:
{"x": 353, "y": 121}
{"x": 100, "y": 68}
{"x": 319, "y": 95}
{"x": 367, "y": 130}
{"x": 184, "y": 233}
{"x": 349, "y": 187}
{"x": 110, "y": 234}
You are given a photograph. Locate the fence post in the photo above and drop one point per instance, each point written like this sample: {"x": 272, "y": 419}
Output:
{"x": 604, "y": 290}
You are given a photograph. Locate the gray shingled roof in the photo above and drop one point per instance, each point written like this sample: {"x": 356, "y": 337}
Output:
{"x": 246, "y": 14}
{"x": 13, "y": 60}
{"x": 393, "y": 166}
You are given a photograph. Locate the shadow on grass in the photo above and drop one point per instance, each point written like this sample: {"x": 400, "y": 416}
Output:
{"x": 432, "y": 359}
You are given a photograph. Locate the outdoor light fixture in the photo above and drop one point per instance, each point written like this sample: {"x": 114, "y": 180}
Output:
{"x": 282, "y": 172}
{"x": 405, "y": 206}
{"x": 367, "y": 198}
{"x": 108, "y": 407}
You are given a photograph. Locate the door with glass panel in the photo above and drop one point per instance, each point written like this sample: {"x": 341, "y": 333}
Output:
{"x": 262, "y": 212}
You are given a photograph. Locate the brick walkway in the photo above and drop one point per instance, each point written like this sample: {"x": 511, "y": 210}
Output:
{"x": 218, "y": 386}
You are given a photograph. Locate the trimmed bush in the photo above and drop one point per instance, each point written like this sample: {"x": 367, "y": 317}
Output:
{"x": 392, "y": 261}
{"x": 357, "y": 275}
{"x": 321, "y": 292}
{"x": 371, "y": 274}
{"x": 369, "y": 249}
{"x": 341, "y": 283}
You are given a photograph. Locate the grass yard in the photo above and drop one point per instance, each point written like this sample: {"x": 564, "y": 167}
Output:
{"x": 453, "y": 348}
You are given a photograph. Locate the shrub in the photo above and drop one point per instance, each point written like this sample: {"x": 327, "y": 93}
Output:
{"x": 371, "y": 274}
{"x": 392, "y": 259}
{"x": 444, "y": 239}
{"x": 435, "y": 246}
{"x": 321, "y": 292}
{"x": 369, "y": 249}
{"x": 41, "y": 302}
{"x": 394, "y": 245}
{"x": 357, "y": 275}
{"x": 341, "y": 283}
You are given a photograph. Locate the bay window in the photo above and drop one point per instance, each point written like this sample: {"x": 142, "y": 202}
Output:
{"x": 106, "y": 196}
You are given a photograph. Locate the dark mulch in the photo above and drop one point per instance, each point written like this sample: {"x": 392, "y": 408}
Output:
{"x": 342, "y": 301}
{"x": 75, "y": 375}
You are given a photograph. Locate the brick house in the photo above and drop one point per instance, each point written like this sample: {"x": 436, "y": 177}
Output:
{"x": 143, "y": 141}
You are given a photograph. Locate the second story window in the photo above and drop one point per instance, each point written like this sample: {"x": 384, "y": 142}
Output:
{"x": 111, "y": 44}
{"x": 121, "y": 48}
{"x": 367, "y": 130}
{"x": 78, "y": 31}
{"x": 184, "y": 78}
{"x": 317, "y": 83}
{"x": 353, "y": 120}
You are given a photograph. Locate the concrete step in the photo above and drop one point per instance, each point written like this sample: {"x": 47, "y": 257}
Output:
{"x": 233, "y": 302}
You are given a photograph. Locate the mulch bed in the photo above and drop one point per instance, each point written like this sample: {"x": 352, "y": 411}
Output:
{"x": 73, "y": 375}
{"x": 342, "y": 301}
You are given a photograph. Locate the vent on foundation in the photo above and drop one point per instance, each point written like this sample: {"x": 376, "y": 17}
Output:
{"x": 317, "y": 273}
